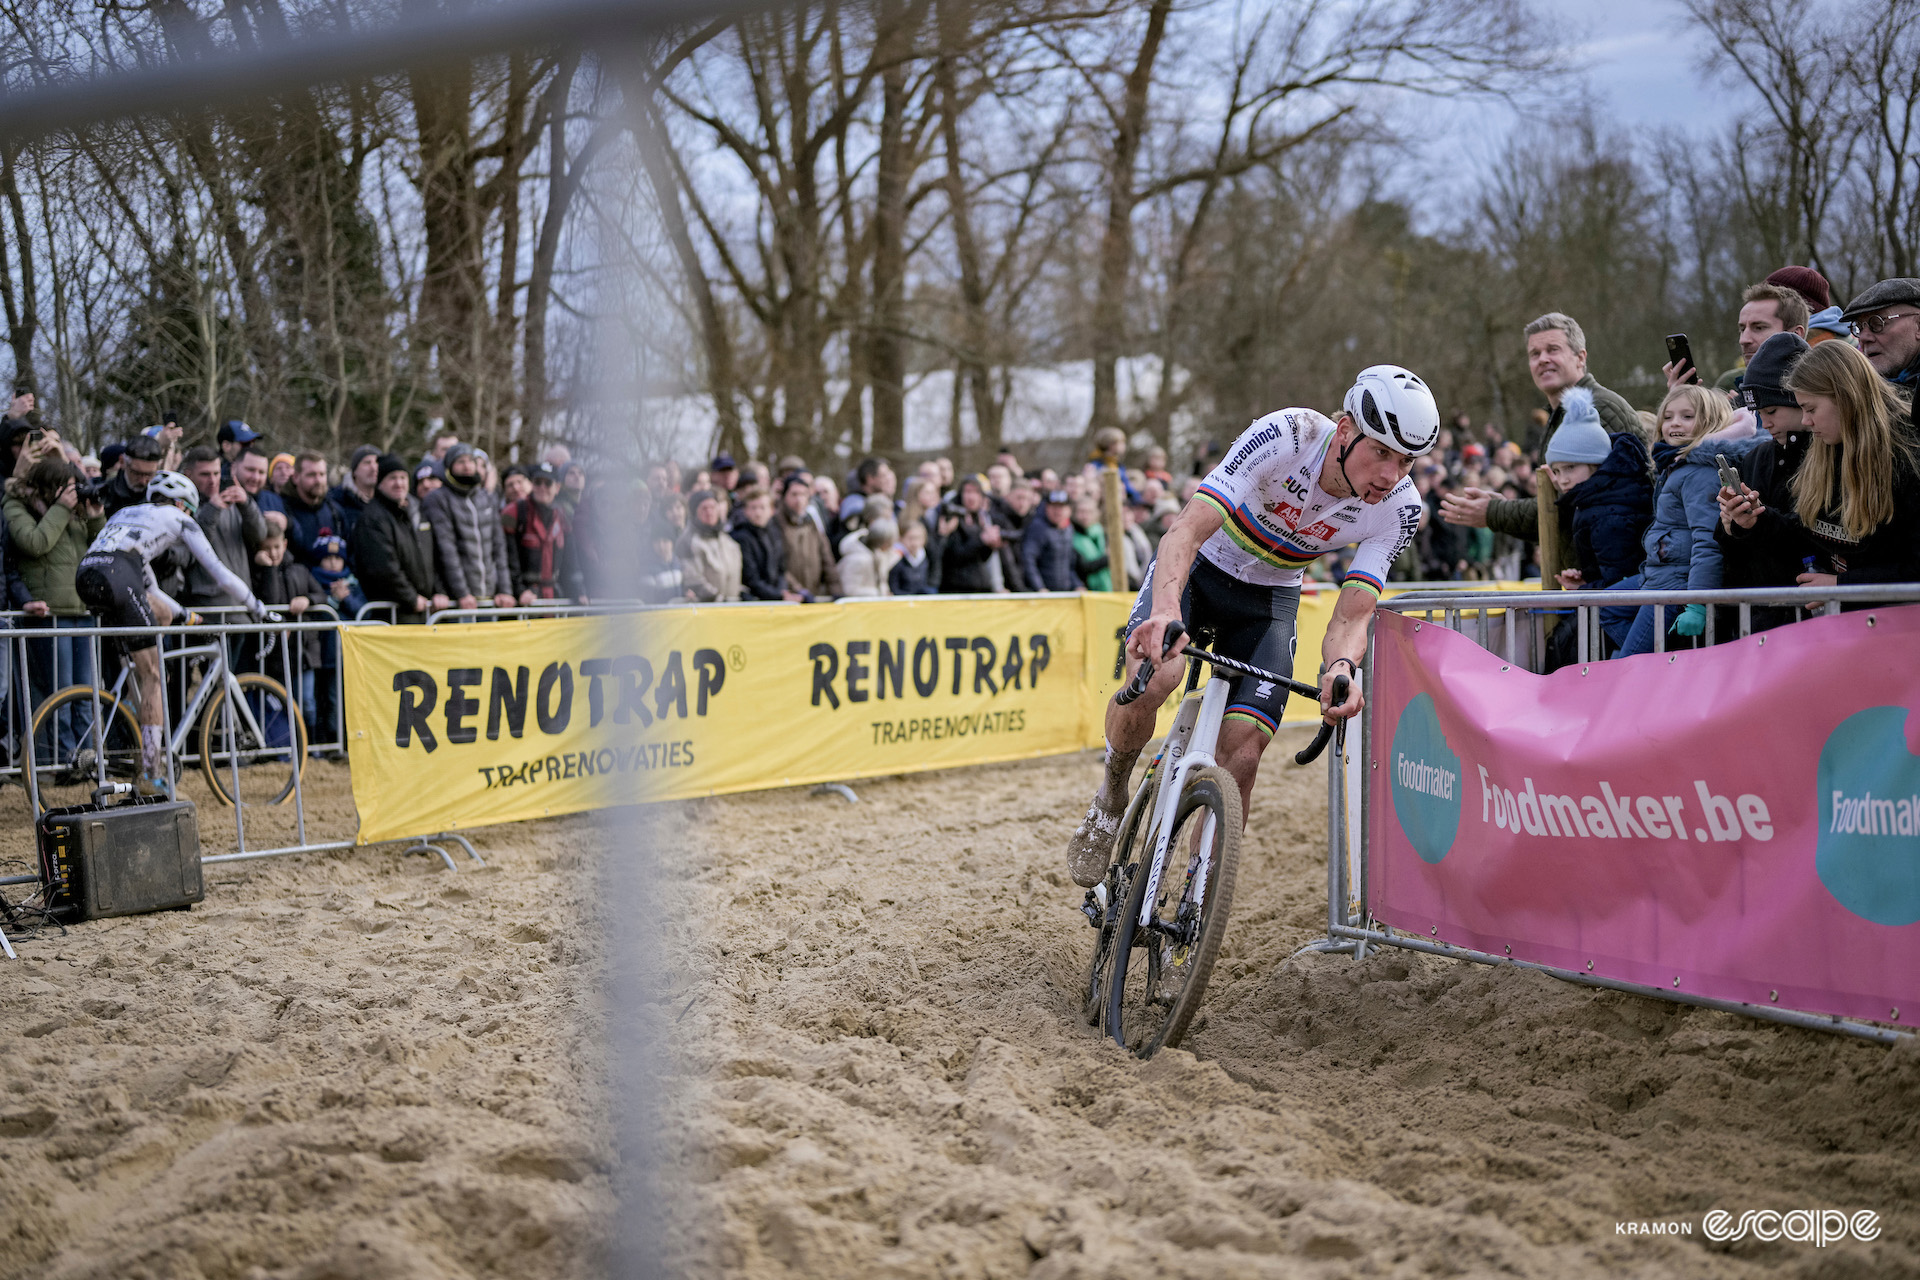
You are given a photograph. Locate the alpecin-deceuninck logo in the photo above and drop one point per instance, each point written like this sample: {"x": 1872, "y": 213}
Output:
{"x": 1425, "y": 780}
{"x": 1868, "y": 853}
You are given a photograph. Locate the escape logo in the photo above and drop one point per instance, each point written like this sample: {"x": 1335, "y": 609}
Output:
{"x": 1820, "y": 1227}
{"x": 1868, "y": 851}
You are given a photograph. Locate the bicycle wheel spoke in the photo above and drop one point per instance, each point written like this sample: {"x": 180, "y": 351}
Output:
{"x": 1162, "y": 960}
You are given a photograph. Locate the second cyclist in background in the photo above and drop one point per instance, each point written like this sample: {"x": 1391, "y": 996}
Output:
{"x": 116, "y": 581}
{"x": 1291, "y": 488}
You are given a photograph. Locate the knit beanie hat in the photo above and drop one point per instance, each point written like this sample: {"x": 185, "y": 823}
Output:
{"x": 1580, "y": 437}
{"x": 390, "y": 463}
{"x": 1806, "y": 282}
{"x": 1765, "y": 382}
{"x": 359, "y": 454}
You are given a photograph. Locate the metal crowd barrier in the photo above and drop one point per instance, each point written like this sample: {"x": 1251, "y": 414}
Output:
{"x": 187, "y": 655}
{"x": 1515, "y": 625}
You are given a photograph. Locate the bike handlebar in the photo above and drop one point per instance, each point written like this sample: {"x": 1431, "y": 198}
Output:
{"x": 1144, "y": 676}
{"x": 1311, "y": 752}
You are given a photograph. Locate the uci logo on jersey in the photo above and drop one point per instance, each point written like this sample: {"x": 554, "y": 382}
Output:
{"x": 1293, "y": 486}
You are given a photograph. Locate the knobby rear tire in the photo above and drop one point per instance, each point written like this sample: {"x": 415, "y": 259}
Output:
{"x": 55, "y": 779}
{"x": 1139, "y": 817}
{"x": 267, "y": 769}
{"x": 1208, "y": 791}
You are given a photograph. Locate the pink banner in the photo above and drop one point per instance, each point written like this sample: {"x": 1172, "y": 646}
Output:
{"x": 1741, "y": 822}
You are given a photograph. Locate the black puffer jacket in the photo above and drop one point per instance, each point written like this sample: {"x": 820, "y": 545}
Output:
{"x": 1611, "y": 510}
{"x": 393, "y": 554}
{"x": 1770, "y": 553}
{"x": 763, "y": 560}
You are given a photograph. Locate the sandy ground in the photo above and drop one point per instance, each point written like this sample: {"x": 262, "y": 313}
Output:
{"x": 881, "y": 1072}
{"x": 356, "y": 1065}
{"x": 339, "y": 1066}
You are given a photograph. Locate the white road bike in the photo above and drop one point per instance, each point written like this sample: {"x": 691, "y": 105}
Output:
{"x": 1188, "y": 802}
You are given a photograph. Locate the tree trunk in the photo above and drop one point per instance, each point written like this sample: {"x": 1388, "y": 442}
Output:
{"x": 886, "y": 349}
{"x": 1109, "y": 336}
{"x": 451, "y": 303}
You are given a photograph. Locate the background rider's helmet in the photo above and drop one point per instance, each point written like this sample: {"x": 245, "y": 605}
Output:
{"x": 1392, "y": 405}
{"x": 166, "y": 485}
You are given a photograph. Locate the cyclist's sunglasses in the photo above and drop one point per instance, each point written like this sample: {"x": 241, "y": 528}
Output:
{"x": 1878, "y": 324}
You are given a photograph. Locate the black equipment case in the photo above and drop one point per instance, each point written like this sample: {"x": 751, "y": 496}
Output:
{"x": 120, "y": 860}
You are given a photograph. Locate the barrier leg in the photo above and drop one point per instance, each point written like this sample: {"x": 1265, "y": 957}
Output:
{"x": 465, "y": 844}
{"x": 6, "y": 947}
{"x": 425, "y": 846}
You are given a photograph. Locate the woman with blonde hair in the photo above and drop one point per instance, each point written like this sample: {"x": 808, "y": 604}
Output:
{"x": 1696, "y": 425}
{"x": 1856, "y": 496}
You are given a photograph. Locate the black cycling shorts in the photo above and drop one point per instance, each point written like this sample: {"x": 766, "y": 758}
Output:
{"x": 114, "y": 585}
{"x": 1242, "y": 620}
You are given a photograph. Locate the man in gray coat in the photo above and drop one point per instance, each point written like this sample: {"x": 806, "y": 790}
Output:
{"x": 469, "y": 546}
{"x": 233, "y": 523}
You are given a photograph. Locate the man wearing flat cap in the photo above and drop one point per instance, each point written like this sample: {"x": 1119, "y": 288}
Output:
{"x": 1886, "y": 319}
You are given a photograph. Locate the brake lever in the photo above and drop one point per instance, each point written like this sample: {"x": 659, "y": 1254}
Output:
{"x": 1311, "y": 752}
{"x": 1144, "y": 676}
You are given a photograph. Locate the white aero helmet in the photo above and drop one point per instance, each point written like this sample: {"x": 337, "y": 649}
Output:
{"x": 171, "y": 484}
{"x": 1392, "y": 405}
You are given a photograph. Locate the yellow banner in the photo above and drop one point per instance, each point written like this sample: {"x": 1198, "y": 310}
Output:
{"x": 458, "y": 726}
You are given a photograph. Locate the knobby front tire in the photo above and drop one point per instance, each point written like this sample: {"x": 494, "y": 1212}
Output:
{"x": 266, "y": 763}
{"x": 1157, "y": 977}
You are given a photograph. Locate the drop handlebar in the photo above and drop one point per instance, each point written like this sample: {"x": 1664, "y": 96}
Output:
{"x": 1144, "y": 676}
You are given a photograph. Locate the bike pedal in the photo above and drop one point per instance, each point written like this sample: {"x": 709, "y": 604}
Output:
{"x": 1094, "y": 908}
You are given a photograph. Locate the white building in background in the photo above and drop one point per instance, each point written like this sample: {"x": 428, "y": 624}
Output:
{"x": 1046, "y": 402}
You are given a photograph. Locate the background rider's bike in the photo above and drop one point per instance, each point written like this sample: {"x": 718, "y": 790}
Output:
{"x": 1159, "y": 935}
{"x": 242, "y": 729}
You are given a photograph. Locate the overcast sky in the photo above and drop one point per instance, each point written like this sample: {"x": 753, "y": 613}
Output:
{"x": 1640, "y": 64}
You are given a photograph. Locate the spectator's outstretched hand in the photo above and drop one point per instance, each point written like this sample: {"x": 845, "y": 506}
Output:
{"x": 1740, "y": 509}
{"x": 1467, "y": 507}
{"x": 1680, "y": 371}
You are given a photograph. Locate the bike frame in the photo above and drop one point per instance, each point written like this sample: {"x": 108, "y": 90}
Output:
{"x": 1189, "y": 745}
{"x": 218, "y": 673}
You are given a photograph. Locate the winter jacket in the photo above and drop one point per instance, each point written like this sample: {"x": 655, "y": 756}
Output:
{"x": 278, "y": 584}
{"x": 1611, "y": 511}
{"x": 347, "y": 606}
{"x": 763, "y": 560}
{"x": 1090, "y": 557}
{"x": 709, "y": 563}
{"x": 1771, "y": 553}
{"x": 1682, "y": 552}
{"x": 349, "y": 504}
{"x": 235, "y": 533}
{"x": 392, "y": 552}
{"x": 963, "y": 559}
{"x": 305, "y": 523}
{"x": 45, "y": 550}
{"x": 469, "y": 542}
{"x": 1046, "y": 557}
{"x": 1520, "y": 517}
{"x": 541, "y": 551}
{"x": 1889, "y": 553}
{"x": 1013, "y": 531}
{"x": 810, "y": 568}
{"x": 865, "y": 572}
{"x": 910, "y": 577}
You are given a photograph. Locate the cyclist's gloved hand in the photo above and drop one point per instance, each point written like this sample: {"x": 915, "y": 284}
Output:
{"x": 1692, "y": 620}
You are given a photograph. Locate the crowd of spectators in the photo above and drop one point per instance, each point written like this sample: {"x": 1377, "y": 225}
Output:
{"x": 1825, "y": 450}
{"x": 446, "y": 531}
{"x": 1815, "y": 418}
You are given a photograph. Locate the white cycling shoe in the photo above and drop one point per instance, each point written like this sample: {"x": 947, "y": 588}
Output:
{"x": 1091, "y": 848}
